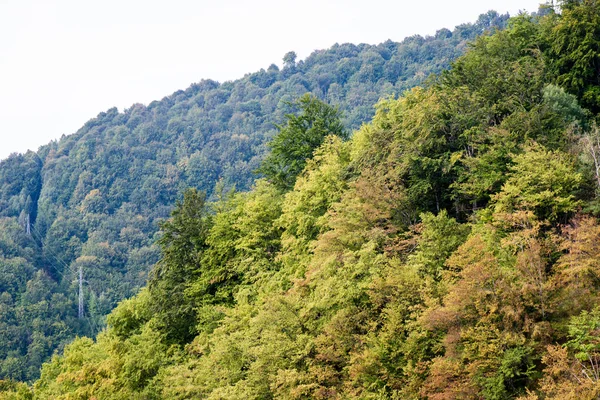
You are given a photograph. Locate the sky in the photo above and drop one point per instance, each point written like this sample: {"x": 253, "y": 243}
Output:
{"x": 64, "y": 61}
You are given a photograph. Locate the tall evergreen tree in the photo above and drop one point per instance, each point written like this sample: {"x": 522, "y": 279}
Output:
{"x": 182, "y": 243}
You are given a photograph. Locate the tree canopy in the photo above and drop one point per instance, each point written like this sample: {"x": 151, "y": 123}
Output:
{"x": 448, "y": 250}
{"x": 95, "y": 199}
{"x": 297, "y": 140}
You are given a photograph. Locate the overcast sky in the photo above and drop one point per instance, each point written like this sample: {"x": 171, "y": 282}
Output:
{"x": 62, "y": 62}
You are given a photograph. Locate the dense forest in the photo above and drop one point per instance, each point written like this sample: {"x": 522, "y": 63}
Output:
{"x": 91, "y": 202}
{"x": 447, "y": 249}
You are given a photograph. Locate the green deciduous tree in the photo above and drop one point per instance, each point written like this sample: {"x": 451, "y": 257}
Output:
{"x": 298, "y": 139}
{"x": 544, "y": 182}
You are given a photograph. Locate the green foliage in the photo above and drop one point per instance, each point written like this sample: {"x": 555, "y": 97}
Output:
{"x": 440, "y": 253}
{"x": 10, "y": 390}
{"x": 564, "y": 104}
{"x": 108, "y": 369}
{"x": 298, "y": 139}
{"x": 183, "y": 244}
{"x": 515, "y": 371}
{"x": 21, "y": 179}
{"x": 584, "y": 340}
{"x": 544, "y": 182}
{"x": 95, "y": 198}
{"x": 440, "y": 237}
{"x": 304, "y": 210}
{"x": 575, "y": 51}
{"x": 130, "y": 315}
{"x": 241, "y": 246}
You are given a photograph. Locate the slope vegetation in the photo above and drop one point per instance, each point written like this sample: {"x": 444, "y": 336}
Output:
{"x": 94, "y": 198}
{"x": 448, "y": 250}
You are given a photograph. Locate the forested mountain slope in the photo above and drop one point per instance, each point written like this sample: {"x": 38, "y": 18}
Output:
{"x": 446, "y": 250}
{"x": 93, "y": 199}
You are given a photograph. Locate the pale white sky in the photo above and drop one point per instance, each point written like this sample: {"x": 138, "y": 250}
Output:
{"x": 64, "y": 61}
